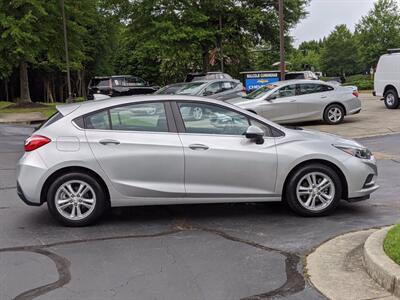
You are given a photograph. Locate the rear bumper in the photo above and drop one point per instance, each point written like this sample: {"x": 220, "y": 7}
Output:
{"x": 23, "y": 198}
{"x": 31, "y": 172}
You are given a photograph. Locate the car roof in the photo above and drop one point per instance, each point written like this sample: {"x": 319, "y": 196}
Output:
{"x": 92, "y": 105}
{"x": 295, "y": 81}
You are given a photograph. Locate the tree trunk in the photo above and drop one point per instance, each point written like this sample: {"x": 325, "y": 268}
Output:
{"x": 206, "y": 59}
{"x": 24, "y": 95}
{"x": 6, "y": 89}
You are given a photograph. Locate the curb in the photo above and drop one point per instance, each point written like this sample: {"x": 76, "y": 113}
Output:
{"x": 378, "y": 265}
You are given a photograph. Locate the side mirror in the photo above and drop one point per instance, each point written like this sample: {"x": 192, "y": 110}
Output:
{"x": 207, "y": 93}
{"x": 255, "y": 133}
{"x": 270, "y": 98}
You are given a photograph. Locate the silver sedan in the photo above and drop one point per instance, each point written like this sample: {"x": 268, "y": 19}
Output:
{"x": 302, "y": 100}
{"x": 146, "y": 150}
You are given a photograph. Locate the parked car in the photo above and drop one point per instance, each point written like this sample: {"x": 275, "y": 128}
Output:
{"x": 301, "y": 75}
{"x": 207, "y": 76}
{"x": 387, "y": 79}
{"x": 302, "y": 100}
{"x": 119, "y": 85}
{"x": 91, "y": 155}
{"x": 220, "y": 89}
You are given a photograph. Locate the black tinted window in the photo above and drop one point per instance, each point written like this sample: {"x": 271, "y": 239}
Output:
{"x": 100, "y": 82}
{"x": 294, "y": 76}
{"x": 310, "y": 88}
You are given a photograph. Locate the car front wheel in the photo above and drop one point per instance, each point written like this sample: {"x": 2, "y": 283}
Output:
{"x": 76, "y": 199}
{"x": 392, "y": 99}
{"x": 313, "y": 190}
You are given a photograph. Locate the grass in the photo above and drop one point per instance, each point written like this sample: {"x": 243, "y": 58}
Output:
{"x": 47, "y": 109}
{"x": 391, "y": 244}
{"x": 363, "y": 82}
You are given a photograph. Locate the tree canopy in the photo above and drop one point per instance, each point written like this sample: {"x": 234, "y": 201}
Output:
{"x": 159, "y": 40}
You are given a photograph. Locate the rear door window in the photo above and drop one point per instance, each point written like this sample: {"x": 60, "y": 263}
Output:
{"x": 139, "y": 117}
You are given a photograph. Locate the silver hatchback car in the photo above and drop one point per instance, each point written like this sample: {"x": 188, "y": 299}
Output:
{"x": 148, "y": 150}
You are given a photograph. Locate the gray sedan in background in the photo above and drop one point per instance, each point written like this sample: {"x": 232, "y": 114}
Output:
{"x": 221, "y": 89}
{"x": 145, "y": 150}
{"x": 302, "y": 100}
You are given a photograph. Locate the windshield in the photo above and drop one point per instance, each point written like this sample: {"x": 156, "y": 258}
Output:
{"x": 191, "y": 88}
{"x": 261, "y": 91}
{"x": 170, "y": 89}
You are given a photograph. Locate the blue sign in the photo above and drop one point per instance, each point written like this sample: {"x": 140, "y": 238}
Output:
{"x": 255, "y": 83}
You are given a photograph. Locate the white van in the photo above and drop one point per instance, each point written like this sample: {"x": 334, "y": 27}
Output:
{"x": 387, "y": 78}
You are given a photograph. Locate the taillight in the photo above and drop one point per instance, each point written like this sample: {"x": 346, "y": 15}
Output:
{"x": 35, "y": 141}
{"x": 355, "y": 93}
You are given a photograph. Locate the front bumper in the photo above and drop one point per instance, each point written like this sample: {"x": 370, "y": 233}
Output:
{"x": 361, "y": 176}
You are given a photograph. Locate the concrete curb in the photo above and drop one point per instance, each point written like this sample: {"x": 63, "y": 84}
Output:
{"x": 22, "y": 118}
{"x": 378, "y": 265}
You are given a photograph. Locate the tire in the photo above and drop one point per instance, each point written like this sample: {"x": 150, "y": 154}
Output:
{"x": 392, "y": 99}
{"x": 197, "y": 113}
{"x": 91, "y": 203}
{"x": 334, "y": 114}
{"x": 299, "y": 197}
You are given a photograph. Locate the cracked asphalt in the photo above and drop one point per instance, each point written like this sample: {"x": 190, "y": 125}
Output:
{"x": 221, "y": 251}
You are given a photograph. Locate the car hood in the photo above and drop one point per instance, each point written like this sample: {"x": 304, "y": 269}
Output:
{"x": 322, "y": 137}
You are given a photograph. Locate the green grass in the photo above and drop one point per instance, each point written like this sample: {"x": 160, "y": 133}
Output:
{"x": 363, "y": 82}
{"x": 47, "y": 111}
{"x": 391, "y": 244}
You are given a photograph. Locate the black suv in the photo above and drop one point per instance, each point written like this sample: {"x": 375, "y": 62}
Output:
{"x": 119, "y": 85}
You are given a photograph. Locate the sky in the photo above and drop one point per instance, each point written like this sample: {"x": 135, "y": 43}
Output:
{"x": 324, "y": 15}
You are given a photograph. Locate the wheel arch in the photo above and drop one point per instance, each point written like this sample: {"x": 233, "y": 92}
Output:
{"x": 327, "y": 163}
{"x": 71, "y": 169}
{"x": 337, "y": 103}
{"x": 389, "y": 87}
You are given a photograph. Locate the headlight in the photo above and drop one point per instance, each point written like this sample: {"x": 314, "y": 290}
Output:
{"x": 362, "y": 153}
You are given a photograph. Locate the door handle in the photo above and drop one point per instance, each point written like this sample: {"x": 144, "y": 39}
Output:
{"x": 292, "y": 100}
{"x": 198, "y": 147}
{"x": 106, "y": 142}
{"x": 324, "y": 97}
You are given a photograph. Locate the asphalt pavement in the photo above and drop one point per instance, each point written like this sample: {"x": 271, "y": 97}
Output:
{"x": 219, "y": 251}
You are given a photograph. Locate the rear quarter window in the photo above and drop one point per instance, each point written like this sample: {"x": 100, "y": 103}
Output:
{"x": 54, "y": 118}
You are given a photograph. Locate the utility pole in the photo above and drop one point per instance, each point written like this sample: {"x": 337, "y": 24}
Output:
{"x": 282, "y": 40}
{"x": 69, "y": 99}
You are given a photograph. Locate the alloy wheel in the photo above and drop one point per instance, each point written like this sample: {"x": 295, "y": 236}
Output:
{"x": 75, "y": 200}
{"x": 315, "y": 191}
{"x": 334, "y": 114}
{"x": 197, "y": 113}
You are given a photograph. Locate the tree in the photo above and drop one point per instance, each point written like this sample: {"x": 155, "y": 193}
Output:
{"x": 23, "y": 35}
{"x": 339, "y": 53}
{"x": 378, "y": 31}
{"x": 165, "y": 39}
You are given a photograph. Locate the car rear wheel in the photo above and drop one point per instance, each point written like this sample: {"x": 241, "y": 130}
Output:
{"x": 76, "y": 199}
{"x": 313, "y": 190}
{"x": 392, "y": 99}
{"x": 334, "y": 114}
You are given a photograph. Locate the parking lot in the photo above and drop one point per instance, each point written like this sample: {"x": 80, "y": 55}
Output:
{"x": 226, "y": 251}
{"x": 374, "y": 119}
